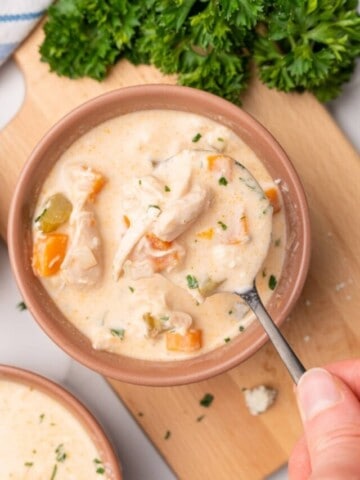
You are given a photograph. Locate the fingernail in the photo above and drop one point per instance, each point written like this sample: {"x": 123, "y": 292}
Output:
{"x": 317, "y": 391}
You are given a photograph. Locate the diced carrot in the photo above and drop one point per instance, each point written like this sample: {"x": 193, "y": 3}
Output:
{"x": 221, "y": 164}
{"x": 241, "y": 236}
{"x": 126, "y": 221}
{"x": 157, "y": 243}
{"x": 49, "y": 253}
{"x": 206, "y": 234}
{"x": 165, "y": 261}
{"x": 191, "y": 341}
{"x": 211, "y": 161}
{"x": 98, "y": 183}
{"x": 273, "y": 197}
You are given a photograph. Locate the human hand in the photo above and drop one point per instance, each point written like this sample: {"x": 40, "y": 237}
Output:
{"x": 329, "y": 404}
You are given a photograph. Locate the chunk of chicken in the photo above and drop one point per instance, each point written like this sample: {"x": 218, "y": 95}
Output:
{"x": 152, "y": 255}
{"x": 180, "y": 321}
{"x": 179, "y": 178}
{"x": 81, "y": 265}
{"x": 129, "y": 240}
{"x": 84, "y": 183}
{"x": 179, "y": 214}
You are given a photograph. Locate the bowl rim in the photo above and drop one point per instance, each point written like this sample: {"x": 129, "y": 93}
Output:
{"x": 137, "y": 375}
{"x": 73, "y": 405}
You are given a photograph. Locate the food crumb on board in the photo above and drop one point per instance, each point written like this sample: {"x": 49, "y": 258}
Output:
{"x": 307, "y": 338}
{"x": 307, "y": 303}
{"x": 339, "y": 286}
{"x": 167, "y": 435}
{"x": 259, "y": 399}
{"x": 348, "y": 297}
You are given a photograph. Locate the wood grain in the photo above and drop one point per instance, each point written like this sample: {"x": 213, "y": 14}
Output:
{"x": 229, "y": 443}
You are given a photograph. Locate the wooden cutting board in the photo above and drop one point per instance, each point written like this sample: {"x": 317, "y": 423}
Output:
{"x": 227, "y": 442}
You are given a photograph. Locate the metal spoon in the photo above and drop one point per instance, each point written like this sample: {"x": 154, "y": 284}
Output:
{"x": 249, "y": 293}
{"x": 287, "y": 355}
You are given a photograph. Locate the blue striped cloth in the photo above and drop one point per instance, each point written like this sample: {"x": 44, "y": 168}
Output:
{"x": 17, "y": 19}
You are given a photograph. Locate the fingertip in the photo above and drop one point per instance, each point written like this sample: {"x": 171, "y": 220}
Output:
{"x": 317, "y": 391}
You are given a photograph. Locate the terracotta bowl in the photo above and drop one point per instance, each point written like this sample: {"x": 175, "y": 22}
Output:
{"x": 73, "y": 405}
{"x": 120, "y": 102}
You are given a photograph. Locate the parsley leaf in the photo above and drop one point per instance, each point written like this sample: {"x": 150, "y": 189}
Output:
{"x": 207, "y": 400}
{"x": 21, "y": 306}
{"x": 223, "y": 181}
{"x": 222, "y": 225}
{"x": 192, "y": 282}
{"x": 272, "y": 282}
{"x": 118, "y": 332}
{"x": 196, "y": 138}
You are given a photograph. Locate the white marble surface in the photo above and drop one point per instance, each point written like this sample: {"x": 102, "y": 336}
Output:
{"x": 23, "y": 344}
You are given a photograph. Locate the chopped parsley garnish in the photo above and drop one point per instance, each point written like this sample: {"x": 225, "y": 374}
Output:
{"x": 196, "y": 138}
{"x": 154, "y": 206}
{"x": 272, "y": 282}
{"x": 223, "y": 181}
{"x": 100, "y": 469}
{"x": 21, "y": 306}
{"x": 140, "y": 182}
{"x": 41, "y": 417}
{"x": 53, "y": 474}
{"x": 167, "y": 189}
{"x": 192, "y": 282}
{"x": 200, "y": 417}
{"x": 230, "y": 312}
{"x": 241, "y": 328}
{"x": 220, "y": 139}
{"x": 167, "y": 435}
{"x": 118, "y": 332}
{"x": 29, "y": 464}
{"x": 60, "y": 453}
{"x": 222, "y": 225}
{"x": 227, "y": 339}
{"x": 165, "y": 318}
{"x": 207, "y": 400}
{"x": 132, "y": 290}
{"x": 277, "y": 242}
{"x": 264, "y": 273}
{"x": 38, "y": 218}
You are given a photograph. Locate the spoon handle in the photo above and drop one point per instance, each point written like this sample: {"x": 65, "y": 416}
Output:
{"x": 287, "y": 355}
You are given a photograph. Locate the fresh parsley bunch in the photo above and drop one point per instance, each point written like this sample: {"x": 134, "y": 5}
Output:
{"x": 308, "y": 45}
{"x": 297, "y": 45}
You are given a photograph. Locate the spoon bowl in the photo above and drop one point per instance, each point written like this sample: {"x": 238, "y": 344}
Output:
{"x": 247, "y": 289}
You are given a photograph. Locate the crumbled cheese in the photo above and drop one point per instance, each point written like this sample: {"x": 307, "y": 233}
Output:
{"x": 277, "y": 181}
{"x": 340, "y": 286}
{"x": 259, "y": 399}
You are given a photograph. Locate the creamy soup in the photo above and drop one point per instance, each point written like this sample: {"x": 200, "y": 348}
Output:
{"x": 145, "y": 226}
{"x": 41, "y": 439}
